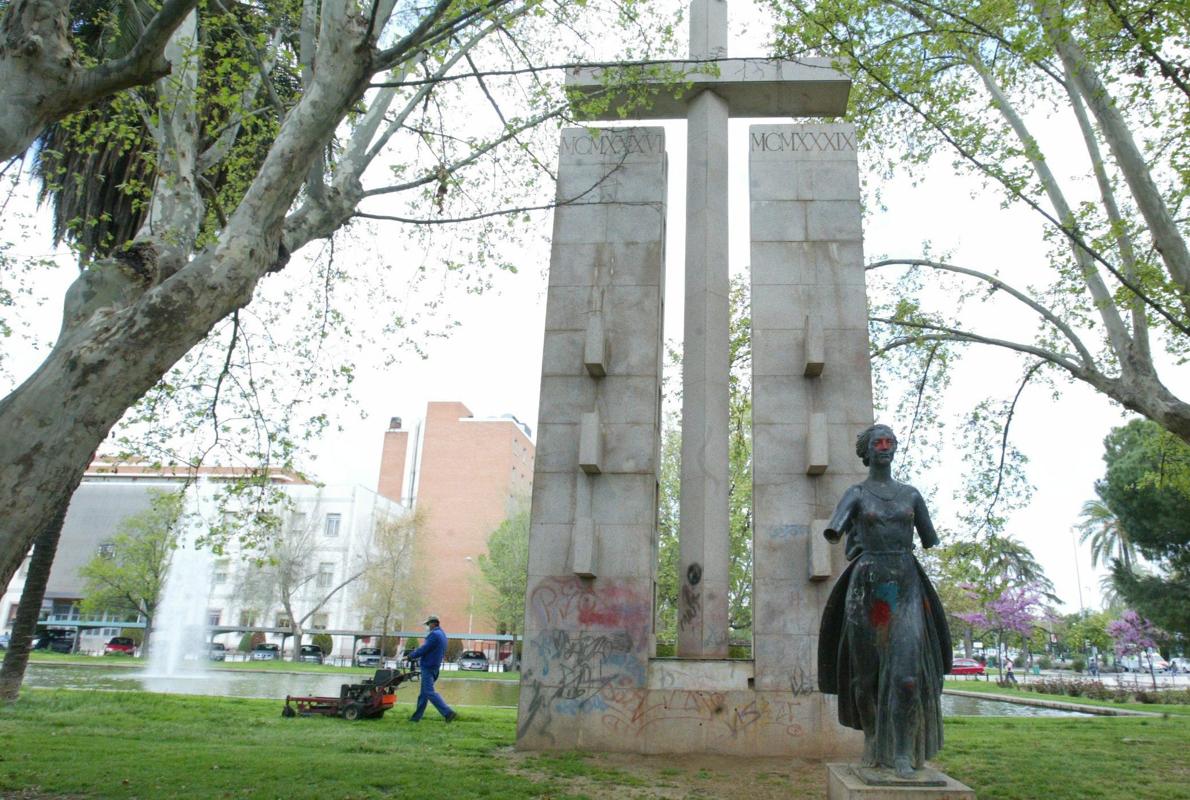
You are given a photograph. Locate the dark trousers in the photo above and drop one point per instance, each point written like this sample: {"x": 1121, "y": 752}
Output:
{"x": 430, "y": 695}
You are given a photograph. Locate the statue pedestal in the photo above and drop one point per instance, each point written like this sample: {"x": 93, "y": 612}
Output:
{"x": 853, "y": 782}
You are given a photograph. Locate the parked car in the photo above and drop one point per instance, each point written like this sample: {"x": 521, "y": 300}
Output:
{"x": 966, "y": 666}
{"x": 310, "y": 653}
{"x": 367, "y": 657}
{"x": 55, "y": 641}
{"x": 266, "y": 651}
{"x": 1140, "y": 663}
{"x": 120, "y": 646}
{"x": 217, "y": 651}
{"x": 4, "y": 639}
{"x": 473, "y": 660}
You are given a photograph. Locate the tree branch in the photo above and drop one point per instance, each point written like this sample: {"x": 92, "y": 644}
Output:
{"x": 847, "y": 47}
{"x": 144, "y": 61}
{"x": 1167, "y": 70}
{"x": 996, "y": 283}
{"x": 1004, "y": 441}
{"x": 1166, "y": 237}
{"x": 945, "y": 333}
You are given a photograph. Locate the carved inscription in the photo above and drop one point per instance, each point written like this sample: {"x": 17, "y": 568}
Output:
{"x": 611, "y": 144}
{"x": 794, "y": 141}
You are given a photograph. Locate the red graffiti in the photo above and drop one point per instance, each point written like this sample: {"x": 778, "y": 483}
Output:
{"x": 880, "y": 613}
{"x": 590, "y": 614}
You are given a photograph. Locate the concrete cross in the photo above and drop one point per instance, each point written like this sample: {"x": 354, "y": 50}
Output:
{"x": 742, "y": 88}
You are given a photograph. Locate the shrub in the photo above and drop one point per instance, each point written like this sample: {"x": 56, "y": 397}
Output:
{"x": 250, "y": 640}
{"x": 324, "y": 642}
{"x": 1045, "y": 663}
{"x": 1079, "y": 664}
{"x": 453, "y": 648}
{"x": 666, "y": 649}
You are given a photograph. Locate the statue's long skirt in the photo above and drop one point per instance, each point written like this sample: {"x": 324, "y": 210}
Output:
{"x": 884, "y": 617}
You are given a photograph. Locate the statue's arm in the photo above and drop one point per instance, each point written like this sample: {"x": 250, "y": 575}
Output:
{"x": 841, "y": 521}
{"x": 921, "y": 520}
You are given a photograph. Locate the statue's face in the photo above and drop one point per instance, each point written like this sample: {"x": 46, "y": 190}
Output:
{"x": 881, "y": 447}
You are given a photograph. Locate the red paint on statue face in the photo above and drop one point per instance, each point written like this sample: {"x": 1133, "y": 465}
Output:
{"x": 883, "y": 444}
{"x": 880, "y": 613}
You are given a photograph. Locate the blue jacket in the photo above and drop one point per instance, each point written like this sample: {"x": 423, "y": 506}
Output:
{"x": 432, "y": 651}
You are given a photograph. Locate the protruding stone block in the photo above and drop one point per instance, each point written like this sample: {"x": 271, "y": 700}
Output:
{"x": 583, "y": 547}
{"x": 817, "y": 445}
{"x": 595, "y": 347}
{"x": 590, "y": 444}
{"x": 815, "y": 347}
{"x": 820, "y": 551}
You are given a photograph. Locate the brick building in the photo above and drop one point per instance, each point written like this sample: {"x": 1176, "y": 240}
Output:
{"x": 465, "y": 474}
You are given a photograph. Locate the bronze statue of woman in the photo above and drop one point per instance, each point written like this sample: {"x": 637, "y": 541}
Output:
{"x": 884, "y": 644}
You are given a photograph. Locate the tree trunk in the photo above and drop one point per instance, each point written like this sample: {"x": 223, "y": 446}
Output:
{"x": 42, "y": 79}
{"x": 296, "y": 627}
{"x": 144, "y": 642}
{"x": 23, "y": 628}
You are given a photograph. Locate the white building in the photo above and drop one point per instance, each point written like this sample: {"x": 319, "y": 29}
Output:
{"x": 335, "y": 524}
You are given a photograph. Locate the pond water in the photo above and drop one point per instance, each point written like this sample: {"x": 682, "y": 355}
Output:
{"x": 456, "y": 691}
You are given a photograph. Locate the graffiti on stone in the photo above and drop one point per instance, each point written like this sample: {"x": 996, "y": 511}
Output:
{"x": 691, "y": 606}
{"x": 569, "y": 602}
{"x": 801, "y": 682}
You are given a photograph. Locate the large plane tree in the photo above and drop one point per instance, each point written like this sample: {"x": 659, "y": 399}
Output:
{"x": 276, "y": 126}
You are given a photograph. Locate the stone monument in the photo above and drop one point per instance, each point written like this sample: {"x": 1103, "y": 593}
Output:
{"x": 590, "y": 678}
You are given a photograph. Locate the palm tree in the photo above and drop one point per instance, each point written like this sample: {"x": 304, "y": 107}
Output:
{"x": 1107, "y": 536}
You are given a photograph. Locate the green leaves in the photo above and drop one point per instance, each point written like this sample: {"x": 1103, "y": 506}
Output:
{"x": 128, "y": 574}
{"x": 504, "y": 570}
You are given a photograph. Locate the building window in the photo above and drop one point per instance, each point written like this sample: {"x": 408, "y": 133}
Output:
{"x": 320, "y": 622}
{"x": 326, "y": 574}
{"x": 214, "y": 615}
{"x": 107, "y": 550}
{"x": 248, "y": 619}
{"x": 299, "y": 520}
{"x": 282, "y": 621}
{"x": 220, "y": 575}
{"x": 332, "y": 524}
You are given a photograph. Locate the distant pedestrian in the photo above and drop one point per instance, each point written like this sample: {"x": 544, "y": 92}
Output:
{"x": 1010, "y": 676}
{"x": 1094, "y": 668}
{"x": 431, "y": 653}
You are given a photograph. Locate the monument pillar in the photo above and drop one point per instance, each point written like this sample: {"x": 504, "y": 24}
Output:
{"x": 590, "y": 679}
{"x": 704, "y": 541}
{"x": 811, "y": 386}
{"x": 592, "y": 558}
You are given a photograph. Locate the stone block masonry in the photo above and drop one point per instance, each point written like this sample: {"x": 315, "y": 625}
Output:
{"x": 589, "y": 610}
{"x": 811, "y": 385}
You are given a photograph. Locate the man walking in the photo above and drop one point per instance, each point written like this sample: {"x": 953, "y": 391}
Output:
{"x": 431, "y": 653}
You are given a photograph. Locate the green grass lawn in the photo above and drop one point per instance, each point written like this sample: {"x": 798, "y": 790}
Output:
{"x": 136, "y": 745}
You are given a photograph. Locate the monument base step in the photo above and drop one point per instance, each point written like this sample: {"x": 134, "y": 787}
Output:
{"x": 847, "y": 782}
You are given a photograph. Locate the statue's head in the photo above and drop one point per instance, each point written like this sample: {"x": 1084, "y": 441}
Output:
{"x": 877, "y": 443}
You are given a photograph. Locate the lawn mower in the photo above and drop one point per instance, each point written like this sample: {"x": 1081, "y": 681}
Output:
{"x": 367, "y": 700}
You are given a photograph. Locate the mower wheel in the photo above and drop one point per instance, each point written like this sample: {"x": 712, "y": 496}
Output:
{"x": 288, "y": 712}
{"x": 352, "y": 712}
